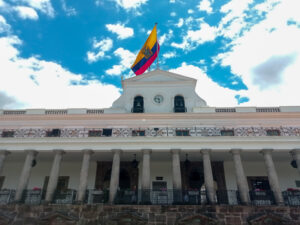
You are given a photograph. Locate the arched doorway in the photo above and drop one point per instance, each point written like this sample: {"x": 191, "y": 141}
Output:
{"x": 138, "y": 104}
{"x": 179, "y": 105}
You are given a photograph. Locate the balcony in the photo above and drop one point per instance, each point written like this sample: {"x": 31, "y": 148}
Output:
{"x": 151, "y": 197}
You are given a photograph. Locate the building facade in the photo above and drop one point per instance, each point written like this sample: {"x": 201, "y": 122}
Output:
{"x": 159, "y": 144}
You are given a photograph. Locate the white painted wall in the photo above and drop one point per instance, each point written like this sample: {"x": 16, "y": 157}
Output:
{"x": 159, "y": 169}
{"x": 12, "y": 171}
{"x": 286, "y": 174}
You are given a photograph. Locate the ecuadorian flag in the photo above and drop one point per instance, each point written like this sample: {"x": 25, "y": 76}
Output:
{"x": 147, "y": 54}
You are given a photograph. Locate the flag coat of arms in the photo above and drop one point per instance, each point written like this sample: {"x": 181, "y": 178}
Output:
{"x": 147, "y": 54}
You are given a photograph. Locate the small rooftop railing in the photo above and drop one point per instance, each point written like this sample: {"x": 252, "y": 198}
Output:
{"x": 152, "y": 197}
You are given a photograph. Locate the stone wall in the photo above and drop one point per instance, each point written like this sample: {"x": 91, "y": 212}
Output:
{"x": 150, "y": 215}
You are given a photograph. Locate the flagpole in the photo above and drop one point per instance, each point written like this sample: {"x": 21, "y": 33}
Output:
{"x": 157, "y": 59}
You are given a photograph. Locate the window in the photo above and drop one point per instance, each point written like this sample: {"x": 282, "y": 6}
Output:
{"x": 179, "y": 105}
{"x": 138, "y": 133}
{"x": 182, "y": 133}
{"x": 53, "y": 133}
{"x": 297, "y": 183}
{"x": 62, "y": 183}
{"x": 6, "y": 134}
{"x": 260, "y": 183}
{"x": 138, "y": 104}
{"x": 1, "y": 181}
{"x": 273, "y": 133}
{"x": 95, "y": 133}
{"x": 227, "y": 133}
{"x": 107, "y": 132}
{"x": 159, "y": 185}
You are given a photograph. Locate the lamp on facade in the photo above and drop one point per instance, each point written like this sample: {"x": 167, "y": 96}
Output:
{"x": 134, "y": 162}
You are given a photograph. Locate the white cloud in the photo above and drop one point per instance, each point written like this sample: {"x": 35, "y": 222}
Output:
{"x": 120, "y": 29}
{"x": 205, "y": 5}
{"x": 193, "y": 38}
{"x": 44, "y": 6}
{"x": 70, "y": 11}
{"x": 180, "y": 22}
{"x": 172, "y": 1}
{"x": 165, "y": 37}
{"x": 126, "y": 60}
{"x": 173, "y": 14}
{"x": 4, "y": 26}
{"x": 169, "y": 55}
{"x": 190, "y": 11}
{"x": 99, "y": 49}
{"x": 25, "y": 12}
{"x": 130, "y": 4}
{"x": 35, "y": 83}
{"x": 267, "y": 56}
{"x": 205, "y": 85}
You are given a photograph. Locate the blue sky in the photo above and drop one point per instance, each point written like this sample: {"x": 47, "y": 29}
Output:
{"x": 72, "y": 53}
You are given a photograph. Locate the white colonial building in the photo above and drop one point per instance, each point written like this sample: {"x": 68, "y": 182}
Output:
{"x": 159, "y": 143}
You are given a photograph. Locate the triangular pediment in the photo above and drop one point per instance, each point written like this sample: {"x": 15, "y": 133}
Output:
{"x": 159, "y": 76}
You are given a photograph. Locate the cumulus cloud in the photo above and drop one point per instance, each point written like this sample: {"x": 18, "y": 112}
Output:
{"x": 70, "y": 11}
{"x": 266, "y": 56}
{"x": 165, "y": 37}
{"x": 35, "y": 83}
{"x": 169, "y": 55}
{"x": 25, "y": 12}
{"x": 205, "y": 5}
{"x": 121, "y": 31}
{"x": 99, "y": 49}
{"x": 206, "y": 85}
{"x": 180, "y": 22}
{"x": 44, "y": 6}
{"x": 126, "y": 60}
{"x": 4, "y": 26}
{"x": 193, "y": 38}
{"x": 130, "y": 4}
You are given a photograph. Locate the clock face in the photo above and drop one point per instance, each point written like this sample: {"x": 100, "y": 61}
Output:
{"x": 158, "y": 99}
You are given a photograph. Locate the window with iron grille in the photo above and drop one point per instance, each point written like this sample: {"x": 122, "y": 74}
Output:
{"x": 138, "y": 133}
{"x": 182, "y": 133}
{"x": 273, "y": 132}
{"x": 6, "y": 134}
{"x": 53, "y": 133}
{"x": 227, "y": 133}
{"x": 95, "y": 133}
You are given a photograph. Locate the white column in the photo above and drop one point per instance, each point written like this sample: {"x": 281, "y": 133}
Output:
{"x": 3, "y": 154}
{"x": 208, "y": 176}
{"x": 146, "y": 179}
{"x": 84, "y": 174}
{"x": 53, "y": 178}
{"x": 176, "y": 169}
{"x": 240, "y": 176}
{"x": 272, "y": 175}
{"x": 25, "y": 174}
{"x": 115, "y": 173}
{"x": 296, "y": 156}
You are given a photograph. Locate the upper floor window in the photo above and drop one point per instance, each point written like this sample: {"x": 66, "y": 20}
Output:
{"x": 227, "y": 133}
{"x": 138, "y": 133}
{"x": 179, "y": 105}
{"x": 182, "y": 133}
{"x": 273, "y": 133}
{"x": 53, "y": 133}
{"x": 95, "y": 133}
{"x": 8, "y": 134}
{"x": 138, "y": 104}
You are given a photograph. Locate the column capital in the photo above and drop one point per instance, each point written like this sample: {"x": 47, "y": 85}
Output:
{"x": 88, "y": 151}
{"x": 295, "y": 151}
{"x": 4, "y": 152}
{"x": 116, "y": 151}
{"x": 205, "y": 151}
{"x": 235, "y": 151}
{"x": 59, "y": 151}
{"x": 175, "y": 151}
{"x": 146, "y": 151}
{"x": 266, "y": 151}
{"x": 31, "y": 151}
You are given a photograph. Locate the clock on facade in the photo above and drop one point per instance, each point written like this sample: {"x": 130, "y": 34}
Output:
{"x": 158, "y": 99}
